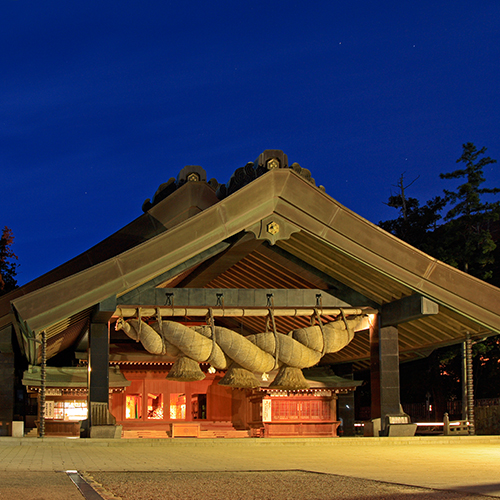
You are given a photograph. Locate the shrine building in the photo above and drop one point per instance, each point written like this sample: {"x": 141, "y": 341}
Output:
{"x": 231, "y": 310}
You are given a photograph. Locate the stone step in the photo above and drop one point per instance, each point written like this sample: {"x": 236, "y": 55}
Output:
{"x": 32, "y": 433}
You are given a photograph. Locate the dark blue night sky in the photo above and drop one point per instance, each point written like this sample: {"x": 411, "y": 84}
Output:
{"x": 101, "y": 102}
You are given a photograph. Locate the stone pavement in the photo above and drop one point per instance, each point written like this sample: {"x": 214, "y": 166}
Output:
{"x": 466, "y": 464}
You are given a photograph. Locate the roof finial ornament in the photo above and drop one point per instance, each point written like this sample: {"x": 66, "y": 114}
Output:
{"x": 273, "y": 163}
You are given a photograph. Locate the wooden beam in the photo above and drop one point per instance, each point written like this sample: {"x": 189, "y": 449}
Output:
{"x": 148, "y": 288}
{"x": 104, "y": 310}
{"x": 234, "y": 297}
{"x": 407, "y": 309}
{"x": 301, "y": 268}
{"x": 218, "y": 264}
{"x": 234, "y": 312}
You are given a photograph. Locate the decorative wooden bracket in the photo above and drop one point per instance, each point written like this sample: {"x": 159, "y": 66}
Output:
{"x": 407, "y": 309}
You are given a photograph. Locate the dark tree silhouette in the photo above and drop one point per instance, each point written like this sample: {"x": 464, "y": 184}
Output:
{"x": 7, "y": 265}
{"x": 467, "y": 235}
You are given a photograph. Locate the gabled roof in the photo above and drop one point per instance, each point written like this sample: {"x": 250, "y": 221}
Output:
{"x": 192, "y": 239}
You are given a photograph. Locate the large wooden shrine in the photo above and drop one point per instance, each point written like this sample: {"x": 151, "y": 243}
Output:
{"x": 230, "y": 310}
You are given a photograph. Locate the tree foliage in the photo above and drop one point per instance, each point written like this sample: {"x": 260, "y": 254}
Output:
{"x": 415, "y": 223}
{"x": 466, "y": 237}
{"x": 468, "y": 242}
{"x": 467, "y": 199}
{"x": 7, "y": 262}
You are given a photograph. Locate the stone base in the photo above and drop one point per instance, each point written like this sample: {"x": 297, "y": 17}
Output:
{"x": 372, "y": 427}
{"x": 18, "y": 429}
{"x": 106, "y": 431}
{"x": 401, "y": 430}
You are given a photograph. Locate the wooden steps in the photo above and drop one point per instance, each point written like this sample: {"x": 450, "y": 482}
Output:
{"x": 207, "y": 430}
{"x": 144, "y": 434}
{"x": 212, "y": 434}
{"x": 222, "y": 429}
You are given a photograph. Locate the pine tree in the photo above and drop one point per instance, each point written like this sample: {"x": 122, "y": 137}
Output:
{"x": 466, "y": 236}
{"x": 466, "y": 240}
{"x": 415, "y": 224}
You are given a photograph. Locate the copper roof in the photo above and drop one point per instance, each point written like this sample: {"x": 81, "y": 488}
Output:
{"x": 192, "y": 239}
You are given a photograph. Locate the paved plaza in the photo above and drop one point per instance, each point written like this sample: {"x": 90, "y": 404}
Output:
{"x": 34, "y": 467}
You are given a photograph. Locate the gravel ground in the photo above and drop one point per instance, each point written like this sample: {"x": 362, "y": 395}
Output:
{"x": 274, "y": 485}
{"x": 46, "y": 485}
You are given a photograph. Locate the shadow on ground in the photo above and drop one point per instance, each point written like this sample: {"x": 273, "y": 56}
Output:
{"x": 257, "y": 485}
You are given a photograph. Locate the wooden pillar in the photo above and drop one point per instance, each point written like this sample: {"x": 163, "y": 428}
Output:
{"x": 7, "y": 375}
{"x": 389, "y": 372}
{"x": 374, "y": 370}
{"x": 333, "y": 410}
{"x": 98, "y": 373}
{"x": 470, "y": 384}
{"x": 384, "y": 372}
{"x": 346, "y": 401}
{"x": 43, "y": 377}
{"x": 98, "y": 370}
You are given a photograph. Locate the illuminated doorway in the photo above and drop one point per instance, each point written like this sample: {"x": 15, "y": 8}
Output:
{"x": 178, "y": 406}
{"x": 133, "y": 407}
{"x": 199, "y": 406}
{"x": 155, "y": 406}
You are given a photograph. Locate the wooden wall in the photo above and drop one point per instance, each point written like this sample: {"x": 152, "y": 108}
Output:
{"x": 147, "y": 380}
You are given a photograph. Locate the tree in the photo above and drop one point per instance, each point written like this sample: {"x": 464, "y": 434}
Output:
{"x": 467, "y": 240}
{"x": 7, "y": 266}
{"x": 415, "y": 224}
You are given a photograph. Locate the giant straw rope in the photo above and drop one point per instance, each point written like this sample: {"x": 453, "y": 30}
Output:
{"x": 242, "y": 357}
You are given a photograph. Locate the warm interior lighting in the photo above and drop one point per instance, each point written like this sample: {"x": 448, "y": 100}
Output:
{"x": 155, "y": 406}
{"x": 430, "y": 424}
{"x": 133, "y": 406}
{"x": 71, "y": 410}
{"x": 178, "y": 406}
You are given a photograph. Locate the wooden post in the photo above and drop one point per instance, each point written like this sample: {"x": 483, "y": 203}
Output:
{"x": 384, "y": 371}
{"x": 346, "y": 401}
{"x": 389, "y": 372}
{"x": 446, "y": 426}
{"x": 375, "y": 369}
{"x": 465, "y": 407}
{"x": 99, "y": 423}
{"x": 43, "y": 376}
{"x": 470, "y": 385}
